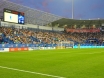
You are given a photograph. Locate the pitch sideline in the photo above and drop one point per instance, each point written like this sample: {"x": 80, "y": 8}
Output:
{"x": 31, "y": 72}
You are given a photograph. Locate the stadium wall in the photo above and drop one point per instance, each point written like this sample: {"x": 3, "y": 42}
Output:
{"x": 31, "y": 26}
{"x": 88, "y": 46}
{"x": 24, "y": 47}
{"x": 30, "y": 47}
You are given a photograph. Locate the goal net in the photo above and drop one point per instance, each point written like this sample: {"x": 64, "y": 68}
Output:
{"x": 65, "y": 44}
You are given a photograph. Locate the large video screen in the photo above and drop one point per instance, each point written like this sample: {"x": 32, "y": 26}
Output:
{"x": 14, "y": 16}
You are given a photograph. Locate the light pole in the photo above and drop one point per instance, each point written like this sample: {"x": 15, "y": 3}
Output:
{"x": 72, "y": 9}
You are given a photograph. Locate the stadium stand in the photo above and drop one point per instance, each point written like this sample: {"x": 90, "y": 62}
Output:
{"x": 25, "y": 36}
{"x": 83, "y": 32}
{"x": 10, "y": 35}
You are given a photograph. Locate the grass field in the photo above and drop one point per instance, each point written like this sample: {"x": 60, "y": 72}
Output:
{"x": 69, "y": 63}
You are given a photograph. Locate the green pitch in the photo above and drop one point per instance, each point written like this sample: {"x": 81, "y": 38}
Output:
{"x": 69, "y": 63}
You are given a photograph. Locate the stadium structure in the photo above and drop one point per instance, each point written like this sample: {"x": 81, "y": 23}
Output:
{"x": 37, "y": 44}
{"x": 30, "y": 28}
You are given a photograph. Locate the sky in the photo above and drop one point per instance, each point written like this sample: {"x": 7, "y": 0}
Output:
{"x": 83, "y": 9}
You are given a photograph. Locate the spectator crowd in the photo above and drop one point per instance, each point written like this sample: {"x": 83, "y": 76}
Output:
{"x": 24, "y": 36}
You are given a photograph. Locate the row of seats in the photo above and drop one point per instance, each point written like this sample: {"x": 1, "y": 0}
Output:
{"x": 31, "y": 36}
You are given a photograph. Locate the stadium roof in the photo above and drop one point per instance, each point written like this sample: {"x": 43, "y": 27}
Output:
{"x": 32, "y": 16}
{"x": 78, "y": 23}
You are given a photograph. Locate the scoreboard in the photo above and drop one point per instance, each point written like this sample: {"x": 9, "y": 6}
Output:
{"x": 14, "y": 16}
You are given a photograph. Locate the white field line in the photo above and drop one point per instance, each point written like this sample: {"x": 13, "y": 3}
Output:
{"x": 32, "y": 72}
